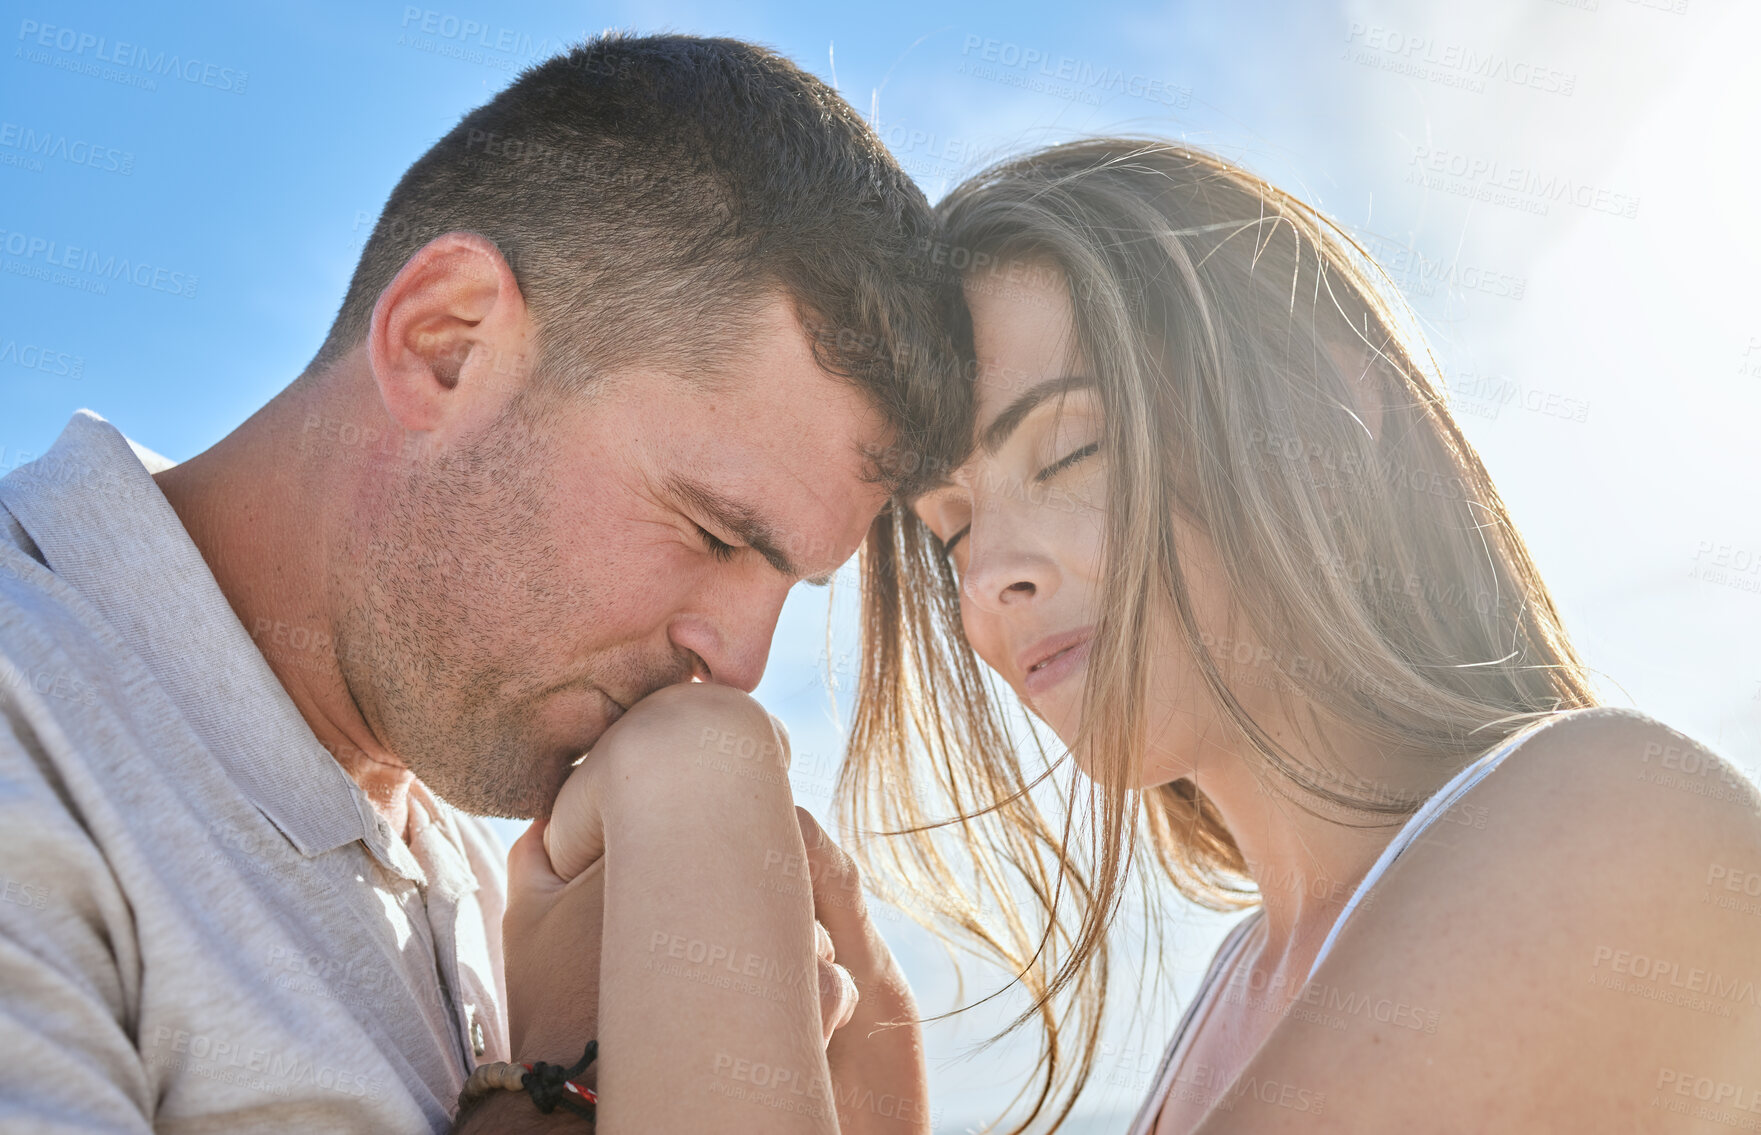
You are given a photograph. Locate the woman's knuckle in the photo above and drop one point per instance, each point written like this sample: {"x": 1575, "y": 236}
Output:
{"x": 843, "y": 864}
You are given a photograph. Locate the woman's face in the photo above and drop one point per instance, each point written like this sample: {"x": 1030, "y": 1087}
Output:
{"x": 1024, "y": 520}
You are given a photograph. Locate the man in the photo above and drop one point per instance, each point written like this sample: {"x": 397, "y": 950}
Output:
{"x": 629, "y": 353}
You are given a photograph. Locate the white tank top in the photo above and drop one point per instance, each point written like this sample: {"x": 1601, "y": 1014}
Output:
{"x": 1439, "y": 802}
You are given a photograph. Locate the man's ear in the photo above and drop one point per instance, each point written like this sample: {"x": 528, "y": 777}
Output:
{"x": 448, "y": 342}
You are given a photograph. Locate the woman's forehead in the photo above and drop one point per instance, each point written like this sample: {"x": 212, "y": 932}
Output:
{"x": 1016, "y": 365}
{"x": 1023, "y": 332}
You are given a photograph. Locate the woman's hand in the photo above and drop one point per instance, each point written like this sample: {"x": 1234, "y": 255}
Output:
{"x": 879, "y": 1081}
{"x": 706, "y": 1004}
{"x": 574, "y": 836}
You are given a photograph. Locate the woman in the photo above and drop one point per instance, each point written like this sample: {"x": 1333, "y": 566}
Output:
{"x": 1219, "y": 533}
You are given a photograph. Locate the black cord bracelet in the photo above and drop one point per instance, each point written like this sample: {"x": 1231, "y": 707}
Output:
{"x": 550, "y": 1085}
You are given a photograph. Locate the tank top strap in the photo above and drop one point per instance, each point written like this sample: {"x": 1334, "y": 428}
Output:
{"x": 1152, "y": 1106}
{"x": 1438, "y": 803}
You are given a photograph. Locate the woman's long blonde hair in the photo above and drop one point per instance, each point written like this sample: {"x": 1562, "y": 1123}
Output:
{"x": 1382, "y": 574}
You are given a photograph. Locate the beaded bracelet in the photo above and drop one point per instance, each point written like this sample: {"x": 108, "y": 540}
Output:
{"x": 549, "y": 1085}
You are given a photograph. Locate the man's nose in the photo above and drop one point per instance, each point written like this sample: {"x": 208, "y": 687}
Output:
{"x": 732, "y": 637}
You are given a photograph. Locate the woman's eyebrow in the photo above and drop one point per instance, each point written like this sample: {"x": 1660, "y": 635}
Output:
{"x": 1016, "y": 412}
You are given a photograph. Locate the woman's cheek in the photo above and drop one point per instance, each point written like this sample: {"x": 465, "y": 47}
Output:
{"x": 1083, "y": 521}
{"x": 979, "y": 636}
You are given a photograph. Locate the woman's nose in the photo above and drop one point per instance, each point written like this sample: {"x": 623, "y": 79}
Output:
{"x": 1004, "y": 572}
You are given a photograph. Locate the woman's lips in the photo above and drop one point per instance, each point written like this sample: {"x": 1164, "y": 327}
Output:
{"x": 1056, "y": 668}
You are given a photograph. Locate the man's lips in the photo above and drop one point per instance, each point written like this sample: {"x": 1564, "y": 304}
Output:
{"x": 1053, "y": 658}
{"x": 618, "y": 708}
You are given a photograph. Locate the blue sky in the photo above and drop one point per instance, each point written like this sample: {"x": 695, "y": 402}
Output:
{"x": 1562, "y": 187}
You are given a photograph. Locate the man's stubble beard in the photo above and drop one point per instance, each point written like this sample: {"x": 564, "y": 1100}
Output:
{"x": 455, "y": 567}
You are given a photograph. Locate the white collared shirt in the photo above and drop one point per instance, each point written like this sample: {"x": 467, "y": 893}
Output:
{"x": 204, "y": 925}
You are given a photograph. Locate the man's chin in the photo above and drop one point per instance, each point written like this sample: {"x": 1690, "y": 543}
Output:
{"x": 516, "y": 777}
{"x": 497, "y": 787}
{"x": 519, "y": 775}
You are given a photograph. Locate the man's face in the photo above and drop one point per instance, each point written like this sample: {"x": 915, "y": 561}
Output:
{"x": 518, "y": 593}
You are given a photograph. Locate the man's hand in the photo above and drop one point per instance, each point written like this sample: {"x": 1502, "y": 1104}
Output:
{"x": 550, "y": 943}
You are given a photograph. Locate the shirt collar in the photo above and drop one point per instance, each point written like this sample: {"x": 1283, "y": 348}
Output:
{"x": 93, "y": 509}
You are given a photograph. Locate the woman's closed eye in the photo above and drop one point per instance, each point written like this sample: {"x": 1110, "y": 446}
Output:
{"x": 1041, "y": 477}
{"x": 1065, "y": 462}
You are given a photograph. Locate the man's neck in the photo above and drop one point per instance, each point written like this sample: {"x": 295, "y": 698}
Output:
{"x": 258, "y": 505}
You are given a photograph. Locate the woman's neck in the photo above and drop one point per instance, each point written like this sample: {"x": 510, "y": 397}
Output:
{"x": 1306, "y": 854}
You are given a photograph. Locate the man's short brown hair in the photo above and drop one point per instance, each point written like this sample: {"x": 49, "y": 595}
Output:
{"x": 650, "y": 192}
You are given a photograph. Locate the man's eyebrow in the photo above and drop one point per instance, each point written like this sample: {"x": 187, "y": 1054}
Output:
{"x": 1016, "y": 412}
{"x": 744, "y": 523}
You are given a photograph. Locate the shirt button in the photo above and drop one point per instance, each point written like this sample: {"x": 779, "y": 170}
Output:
{"x": 477, "y": 1045}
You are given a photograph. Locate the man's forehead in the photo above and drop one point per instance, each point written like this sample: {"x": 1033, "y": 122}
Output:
{"x": 773, "y": 429}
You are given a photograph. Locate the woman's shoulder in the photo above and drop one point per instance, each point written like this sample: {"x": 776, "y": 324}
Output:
{"x": 1610, "y": 804}
{"x": 1585, "y": 943}
{"x": 1605, "y": 800}
{"x": 1620, "y": 758}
